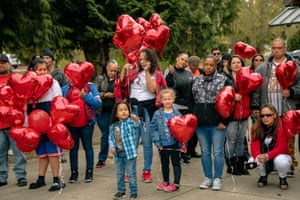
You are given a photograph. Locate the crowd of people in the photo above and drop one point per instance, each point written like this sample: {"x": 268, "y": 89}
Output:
{"x": 141, "y": 118}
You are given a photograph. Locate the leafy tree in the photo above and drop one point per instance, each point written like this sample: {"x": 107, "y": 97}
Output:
{"x": 294, "y": 41}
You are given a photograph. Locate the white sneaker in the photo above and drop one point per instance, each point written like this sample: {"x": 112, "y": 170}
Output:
{"x": 206, "y": 183}
{"x": 217, "y": 185}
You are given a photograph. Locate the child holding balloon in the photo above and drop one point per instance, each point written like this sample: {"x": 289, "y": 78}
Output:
{"x": 47, "y": 152}
{"x": 167, "y": 145}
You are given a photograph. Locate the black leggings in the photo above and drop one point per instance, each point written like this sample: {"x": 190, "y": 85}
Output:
{"x": 173, "y": 152}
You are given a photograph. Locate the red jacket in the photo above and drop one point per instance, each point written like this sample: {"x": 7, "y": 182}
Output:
{"x": 280, "y": 147}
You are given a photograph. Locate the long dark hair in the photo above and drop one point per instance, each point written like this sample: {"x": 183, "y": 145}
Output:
{"x": 253, "y": 58}
{"x": 113, "y": 117}
{"x": 259, "y": 128}
{"x": 152, "y": 58}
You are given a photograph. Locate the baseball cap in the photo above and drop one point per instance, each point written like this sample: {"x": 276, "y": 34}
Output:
{"x": 49, "y": 53}
{"x": 4, "y": 57}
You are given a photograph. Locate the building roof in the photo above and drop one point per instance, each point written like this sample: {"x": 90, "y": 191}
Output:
{"x": 291, "y": 15}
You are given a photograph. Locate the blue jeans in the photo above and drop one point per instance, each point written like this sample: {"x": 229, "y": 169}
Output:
{"x": 212, "y": 137}
{"x": 122, "y": 165}
{"x": 20, "y": 162}
{"x": 103, "y": 123}
{"x": 236, "y": 131}
{"x": 84, "y": 133}
{"x": 143, "y": 131}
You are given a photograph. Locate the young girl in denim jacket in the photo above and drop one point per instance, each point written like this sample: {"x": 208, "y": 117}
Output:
{"x": 167, "y": 145}
{"x": 122, "y": 137}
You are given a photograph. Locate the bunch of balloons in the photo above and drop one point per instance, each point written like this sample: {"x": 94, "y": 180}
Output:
{"x": 14, "y": 97}
{"x": 132, "y": 36}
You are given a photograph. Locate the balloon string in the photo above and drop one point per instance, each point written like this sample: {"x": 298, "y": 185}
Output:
{"x": 61, "y": 176}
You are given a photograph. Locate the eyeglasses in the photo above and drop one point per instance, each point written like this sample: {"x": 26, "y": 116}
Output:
{"x": 265, "y": 115}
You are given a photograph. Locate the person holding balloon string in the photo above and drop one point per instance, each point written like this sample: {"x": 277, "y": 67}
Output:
{"x": 237, "y": 127}
{"x": 81, "y": 92}
{"x": 47, "y": 152}
{"x": 167, "y": 145}
{"x": 145, "y": 82}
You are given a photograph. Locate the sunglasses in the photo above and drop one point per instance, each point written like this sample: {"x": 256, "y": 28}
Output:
{"x": 265, "y": 115}
{"x": 259, "y": 60}
{"x": 216, "y": 54}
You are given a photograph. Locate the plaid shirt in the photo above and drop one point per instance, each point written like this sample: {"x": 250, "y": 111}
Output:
{"x": 128, "y": 136}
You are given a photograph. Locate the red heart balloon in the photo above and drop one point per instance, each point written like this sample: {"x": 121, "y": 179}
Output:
{"x": 29, "y": 141}
{"x": 286, "y": 74}
{"x": 58, "y": 132}
{"x": 23, "y": 85}
{"x": 60, "y": 135}
{"x": 291, "y": 122}
{"x": 129, "y": 34}
{"x": 16, "y": 133}
{"x": 144, "y": 23}
{"x": 247, "y": 82}
{"x": 44, "y": 83}
{"x": 62, "y": 111}
{"x": 11, "y": 116}
{"x": 182, "y": 128}
{"x": 7, "y": 95}
{"x": 68, "y": 143}
{"x": 225, "y": 101}
{"x": 157, "y": 38}
{"x": 244, "y": 50}
{"x": 39, "y": 120}
{"x": 155, "y": 21}
{"x": 79, "y": 74}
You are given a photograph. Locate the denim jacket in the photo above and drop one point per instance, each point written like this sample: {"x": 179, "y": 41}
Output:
{"x": 161, "y": 135}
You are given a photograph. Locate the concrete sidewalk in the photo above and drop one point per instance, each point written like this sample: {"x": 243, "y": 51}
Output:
{"x": 104, "y": 184}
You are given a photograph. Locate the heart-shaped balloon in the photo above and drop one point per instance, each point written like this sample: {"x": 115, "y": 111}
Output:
{"x": 144, "y": 23}
{"x": 60, "y": 135}
{"x": 129, "y": 34}
{"x": 79, "y": 74}
{"x": 7, "y": 95}
{"x": 291, "y": 122}
{"x": 23, "y": 85}
{"x": 11, "y": 115}
{"x": 68, "y": 143}
{"x": 225, "y": 101}
{"x": 155, "y": 21}
{"x": 286, "y": 74}
{"x": 157, "y": 38}
{"x": 39, "y": 120}
{"x": 30, "y": 140}
{"x": 248, "y": 82}
{"x": 244, "y": 50}
{"x": 182, "y": 128}
{"x": 16, "y": 133}
{"x": 44, "y": 83}
{"x": 62, "y": 111}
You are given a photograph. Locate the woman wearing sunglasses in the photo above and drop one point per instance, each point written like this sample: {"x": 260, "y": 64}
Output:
{"x": 269, "y": 146}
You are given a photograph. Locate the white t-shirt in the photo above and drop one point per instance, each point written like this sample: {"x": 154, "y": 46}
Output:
{"x": 138, "y": 88}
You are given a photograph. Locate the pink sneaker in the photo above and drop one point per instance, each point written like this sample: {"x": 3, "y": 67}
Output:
{"x": 171, "y": 188}
{"x": 162, "y": 185}
{"x": 147, "y": 176}
{"x": 126, "y": 179}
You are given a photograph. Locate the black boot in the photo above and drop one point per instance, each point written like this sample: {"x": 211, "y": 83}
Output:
{"x": 242, "y": 166}
{"x": 283, "y": 183}
{"x": 89, "y": 175}
{"x": 229, "y": 165}
{"x": 74, "y": 176}
{"x": 237, "y": 169}
{"x": 39, "y": 183}
{"x": 262, "y": 181}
